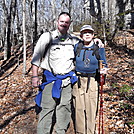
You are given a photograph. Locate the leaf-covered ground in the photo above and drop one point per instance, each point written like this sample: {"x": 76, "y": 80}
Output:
{"x": 17, "y": 115}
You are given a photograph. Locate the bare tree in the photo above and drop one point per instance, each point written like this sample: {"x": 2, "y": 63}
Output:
{"x": 7, "y": 27}
{"x": 70, "y": 10}
{"x": 35, "y": 23}
{"x": 132, "y": 14}
{"x": 24, "y": 37}
{"x": 53, "y": 3}
{"x": 121, "y": 6}
{"x": 110, "y": 14}
{"x": 62, "y": 5}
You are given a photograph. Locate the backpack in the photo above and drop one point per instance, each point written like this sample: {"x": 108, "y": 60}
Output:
{"x": 95, "y": 52}
{"x": 95, "y": 49}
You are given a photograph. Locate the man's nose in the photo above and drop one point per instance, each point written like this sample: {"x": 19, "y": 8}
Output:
{"x": 64, "y": 23}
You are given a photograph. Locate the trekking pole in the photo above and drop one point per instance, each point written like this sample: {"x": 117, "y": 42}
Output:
{"x": 102, "y": 81}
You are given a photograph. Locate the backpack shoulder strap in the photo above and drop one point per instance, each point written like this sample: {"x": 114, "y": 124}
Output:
{"x": 48, "y": 44}
{"x": 96, "y": 50}
{"x": 78, "y": 48}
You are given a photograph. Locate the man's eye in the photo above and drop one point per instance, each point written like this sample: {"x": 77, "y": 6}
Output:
{"x": 66, "y": 22}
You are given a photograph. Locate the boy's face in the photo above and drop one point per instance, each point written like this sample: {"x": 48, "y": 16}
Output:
{"x": 87, "y": 35}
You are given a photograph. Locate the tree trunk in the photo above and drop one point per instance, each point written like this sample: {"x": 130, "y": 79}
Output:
{"x": 71, "y": 13}
{"x": 132, "y": 15}
{"x": 24, "y": 37}
{"x": 8, "y": 21}
{"x": 5, "y": 29}
{"x": 53, "y": 14}
{"x": 35, "y": 23}
{"x": 99, "y": 14}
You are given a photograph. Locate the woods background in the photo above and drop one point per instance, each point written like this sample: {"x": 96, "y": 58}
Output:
{"x": 21, "y": 24}
{"x": 22, "y": 21}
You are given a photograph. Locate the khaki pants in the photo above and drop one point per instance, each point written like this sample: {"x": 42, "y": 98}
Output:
{"x": 86, "y": 105}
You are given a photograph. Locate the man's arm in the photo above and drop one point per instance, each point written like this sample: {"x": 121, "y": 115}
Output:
{"x": 39, "y": 50}
{"x": 35, "y": 78}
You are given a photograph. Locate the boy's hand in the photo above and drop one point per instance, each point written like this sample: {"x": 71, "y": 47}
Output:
{"x": 104, "y": 70}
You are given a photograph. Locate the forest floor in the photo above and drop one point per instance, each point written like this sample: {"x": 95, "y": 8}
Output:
{"x": 17, "y": 106}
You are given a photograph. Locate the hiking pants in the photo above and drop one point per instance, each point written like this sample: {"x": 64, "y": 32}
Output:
{"x": 86, "y": 105}
{"x": 63, "y": 111}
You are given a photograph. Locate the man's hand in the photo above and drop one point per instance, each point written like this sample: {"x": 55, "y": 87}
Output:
{"x": 35, "y": 81}
{"x": 100, "y": 44}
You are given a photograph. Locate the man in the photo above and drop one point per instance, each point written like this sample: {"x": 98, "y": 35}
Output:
{"x": 55, "y": 92}
{"x": 85, "y": 91}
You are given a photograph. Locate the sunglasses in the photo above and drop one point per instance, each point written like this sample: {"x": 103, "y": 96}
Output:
{"x": 87, "y": 32}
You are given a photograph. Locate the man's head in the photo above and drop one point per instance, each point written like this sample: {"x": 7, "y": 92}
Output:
{"x": 64, "y": 21}
{"x": 87, "y": 33}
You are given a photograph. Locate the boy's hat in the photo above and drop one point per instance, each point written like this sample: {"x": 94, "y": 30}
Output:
{"x": 86, "y": 27}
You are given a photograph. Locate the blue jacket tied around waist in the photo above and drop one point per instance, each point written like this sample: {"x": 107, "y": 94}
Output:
{"x": 56, "y": 89}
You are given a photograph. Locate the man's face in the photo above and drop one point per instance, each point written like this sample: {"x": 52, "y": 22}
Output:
{"x": 87, "y": 35}
{"x": 63, "y": 23}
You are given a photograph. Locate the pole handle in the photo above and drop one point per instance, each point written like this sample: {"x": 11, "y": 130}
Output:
{"x": 101, "y": 64}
